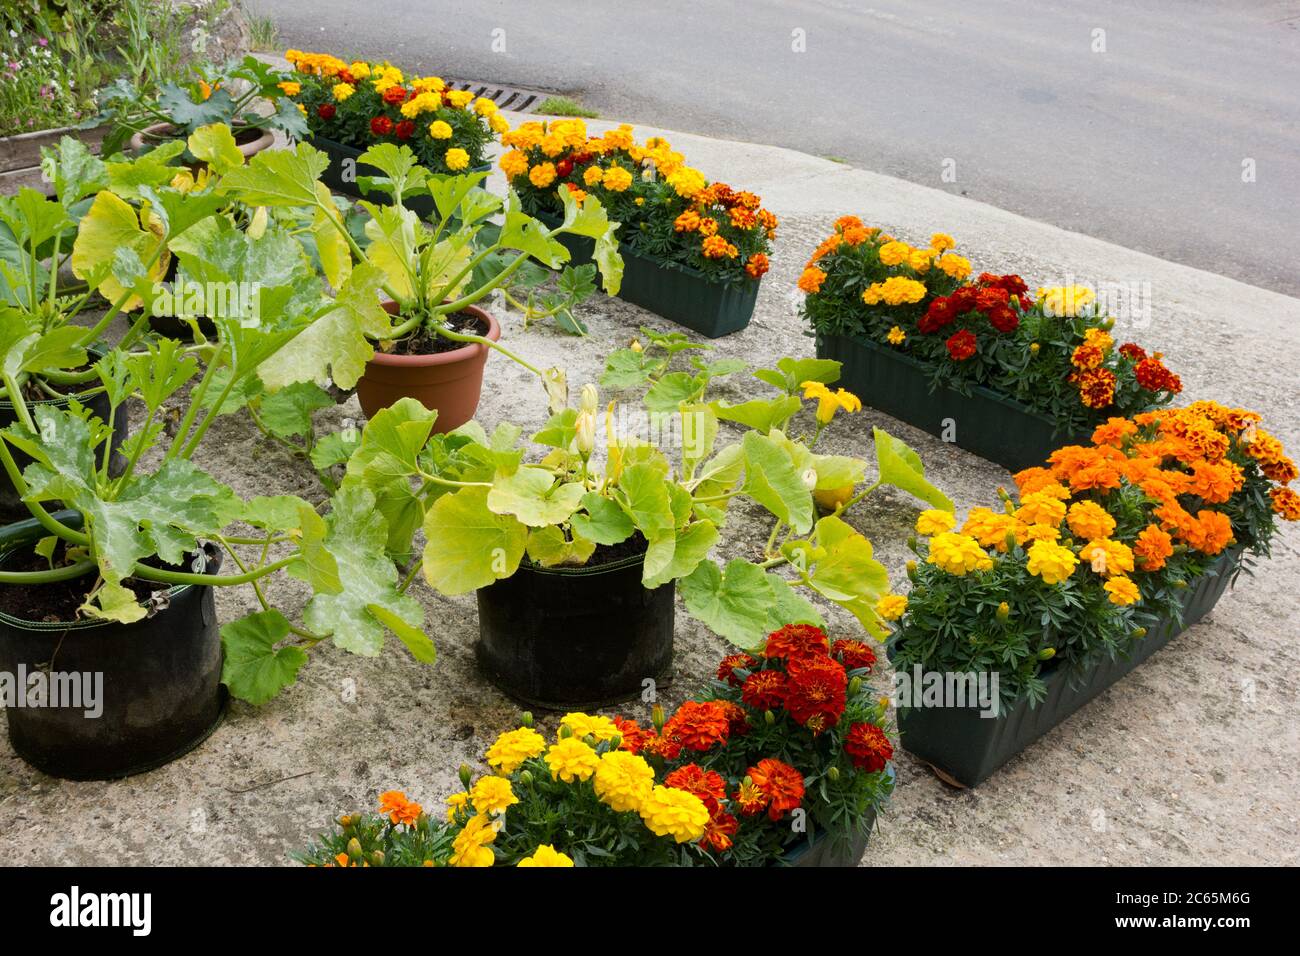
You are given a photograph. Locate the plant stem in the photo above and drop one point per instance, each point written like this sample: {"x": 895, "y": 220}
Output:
{"x": 198, "y": 580}
{"x": 65, "y": 573}
{"x": 47, "y": 520}
{"x": 856, "y": 498}
{"x": 196, "y": 399}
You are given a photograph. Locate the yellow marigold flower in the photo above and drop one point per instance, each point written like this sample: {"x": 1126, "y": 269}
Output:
{"x": 896, "y": 336}
{"x": 892, "y": 606}
{"x": 1051, "y": 562}
{"x": 688, "y": 183}
{"x": 571, "y": 760}
{"x": 546, "y": 855}
{"x": 1065, "y": 301}
{"x": 1099, "y": 338}
{"x": 514, "y": 747}
{"x": 933, "y": 521}
{"x": 471, "y": 846}
{"x": 592, "y": 175}
{"x": 617, "y": 179}
{"x": 492, "y": 795}
{"x": 1041, "y": 508}
{"x": 513, "y": 163}
{"x": 1036, "y": 532}
{"x": 441, "y": 129}
{"x": 895, "y": 253}
{"x": 675, "y": 813}
{"x": 542, "y": 175}
{"x": 460, "y": 98}
{"x": 498, "y": 124}
{"x": 456, "y": 803}
{"x": 919, "y": 260}
{"x": 484, "y": 106}
{"x": 1090, "y": 521}
{"x": 958, "y": 554}
{"x": 289, "y": 88}
{"x": 1107, "y": 556}
{"x": 953, "y": 265}
{"x": 899, "y": 290}
{"x": 942, "y": 242}
{"x": 828, "y": 402}
{"x": 341, "y": 91}
{"x": 429, "y": 84}
{"x": 421, "y": 103}
{"x": 1122, "y": 591}
{"x": 623, "y": 780}
{"x": 359, "y": 70}
{"x": 456, "y": 159}
{"x": 583, "y": 725}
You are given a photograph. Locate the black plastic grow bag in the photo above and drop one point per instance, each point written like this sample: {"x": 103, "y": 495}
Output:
{"x": 986, "y": 423}
{"x": 161, "y": 692}
{"x": 339, "y": 154}
{"x": 674, "y": 291}
{"x": 586, "y": 637}
{"x": 11, "y": 506}
{"x": 966, "y": 748}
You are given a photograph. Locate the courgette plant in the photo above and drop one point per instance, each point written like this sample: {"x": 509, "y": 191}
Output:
{"x": 147, "y": 521}
{"x": 486, "y": 505}
{"x": 431, "y": 273}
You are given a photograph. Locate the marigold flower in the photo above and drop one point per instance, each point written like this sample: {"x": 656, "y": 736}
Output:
{"x": 989, "y": 528}
{"x": 1090, "y": 521}
{"x": 1122, "y": 591}
{"x": 868, "y": 747}
{"x": 514, "y": 163}
{"x": 1065, "y": 301}
{"x": 894, "y": 253}
{"x": 394, "y": 804}
{"x": 708, "y": 785}
{"x": 957, "y": 554}
{"x": 1041, "y": 508}
{"x": 892, "y": 606}
{"x": 593, "y": 725}
{"x": 289, "y": 88}
{"x": 326, "y": 111}
{"x": 934, "y": 521}
{"x": 1113, "y": 432}
{"x": 720, "y": 832}
{"x": 796, "y": 641}
{"x": 623, "y": 780}
{"x": 381, "y": 126}
{"x": 458, "y": 99}
{"x": 811, "y": 279}
{"x": 757, "y": 265}
{"x": 542, "y": 175}
{"x": 896, "y": 290}
{"x": 1051, "y": 562}
{"x": 617, "y": 179}
{"x": 456, "y": 804}
{"x": 1152, "y": 547}
{"x": 471, "y": 847}
{"x": 456, "y": 159}
{"x": 546, "y": 855}
{"x": 675, "y": 813}
{"x": 716, "y": 247}
{"x": 781, "y": 785}
{"x": 441, "y": 129}
{"x": 1107, "y": 556}
{"x": 854, "y": 655}
{"x": 1087, "y": 357}
{"x": 961, "y": 345}
{"x": 1286, "y": 503}
{"x": 492, "y": 795}
{"x": 953, "y": 265}
{"x": 513, "y": 748}
{"x": 698, "y": 726}
{"x": 727, "y": 668}
{"x": 816, "y": 692}
{"x": 896, "y": 336}
{"x": 570, "y": 759}
{"x": 764, "y": 689}
{"x": 942, "y": 242}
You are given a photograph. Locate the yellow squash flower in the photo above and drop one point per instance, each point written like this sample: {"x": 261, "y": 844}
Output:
{"x": 828, "y": 402}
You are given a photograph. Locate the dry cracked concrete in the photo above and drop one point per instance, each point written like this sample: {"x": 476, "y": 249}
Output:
{"x": 1190, "y": 760}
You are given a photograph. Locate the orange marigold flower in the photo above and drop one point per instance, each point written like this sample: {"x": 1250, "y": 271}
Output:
{"x": 708, "y": 785}
{"x": 1211, "y": 533}
{"x": 779, "y": 783}
{"x": 1216, "y": 482}
{"x": 1113, "y": 432}
{"x": 816, "y": 692}
{"x": 757, "y": 265}
{"x": 720, "y": 831}
{"x": 708, "y": 226}
{"x": 1286, "y": 503}
{"x": 729, "y": 665}
{"x": 847, "y": 222}
{"x": 398, "y": 808}
{"x": 853, "y": 654}
{"x": 810, "y": 281}
{"x": 1087, "y": 356}
{"x": 688, "y": 221}
{"x": 764, "y": 690}
{"x": 716, "y": 247}
{"x": 699, "y": 726}
{"x": 797, "y": 641}
{"x": 1089, "y": 521}
{"x": 1152, "y": 547}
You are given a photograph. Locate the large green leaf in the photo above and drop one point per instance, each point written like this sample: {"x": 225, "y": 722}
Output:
{"x": 533, "y": 496}
{"x": 253, "y": 669}
{"x": 468, "y": 546}
{"x": 760, "y": 414}
{"x": 772, "y": 480}
{"x": 648, "y": 501}
{"x": 845, "y": 572}
{"x": 216, "y": 146}
{"x": 685, "y": 550}
{"x": 602, "y": 521}
{"x": 742, "y": 602}
{"x": 356, "y": 537}
{"x": 901, "y": 467}
{"x": 277, "y": 177}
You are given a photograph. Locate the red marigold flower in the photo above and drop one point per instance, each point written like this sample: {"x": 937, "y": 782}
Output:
{"x": 634, "y": 737}
{"x": 395, "y": 94}
{"x": 564, "y": 167}
{"x": 764, "y": 690}
{"x": 730, "y": 664}
{"x": 708, "y": 785}
{"x": 381, "y": 126}
{"x": 1133, "y": 351}
{"x": 796, "y": 641}
{"x": 816, "y": 692}
{"x": 1004, "y": 319}
{"x": 404, "y": 129}
{"x": 780, "y": 783}
{"x": 939, "y": 313}
{"x": 1152, "y": 375}
{"x": 699, "y": 726}
{"x": 868, "y": 747}
{"x": 720, "y": 832}
{"x": 326, "y": 111}
{"x": 853, "y": 654}
{"x": 737, "y": 718}
{"x": 961, "y": 345}
{"x": 1097, "y": 387}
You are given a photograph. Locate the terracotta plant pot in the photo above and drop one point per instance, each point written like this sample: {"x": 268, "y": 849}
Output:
{"x": 448, "y": 382}
{"x": 162, "y": 131}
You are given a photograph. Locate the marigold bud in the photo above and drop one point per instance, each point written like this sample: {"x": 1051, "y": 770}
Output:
{"x": 911, "y": 542}
{"x": 1004, "y": 611}
{"x": 1139, "y": 632}
{"x": 911, "y": 571}
{"x": 1047, "y": 653}
{"x": 346, "y": 821}
{"x": 354, "y": 849}
{"x": 377, "y": 858}
{"x": 466, "y": 775}
{"x": 1033, "y": 348}
{"x": 564, "y": 732}
{"x": 526, "y": 719}
{"x": 1180, "y": 584}
{"x": 833, "y": 773}
{"x": 657, "y": 716}
{"x": 769, "y": 718}
{"x": 526, "y": 778}
{"x": 855, "y": 685}
{"x": 615, "y": 742}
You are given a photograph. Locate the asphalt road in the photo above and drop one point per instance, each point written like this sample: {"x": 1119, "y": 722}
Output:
{"x": 1175, "y": 130}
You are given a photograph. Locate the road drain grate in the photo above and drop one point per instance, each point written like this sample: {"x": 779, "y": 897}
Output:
{"x": 506, "y": 97}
